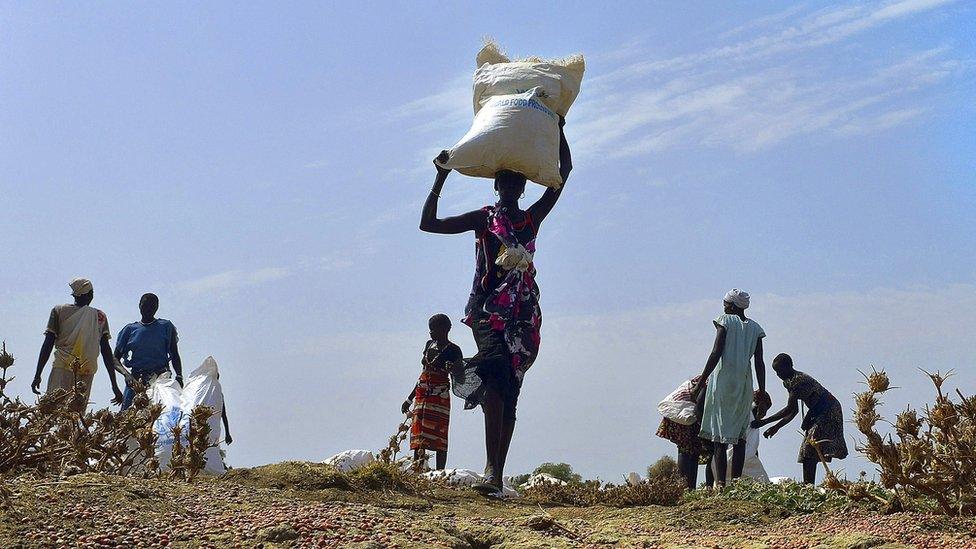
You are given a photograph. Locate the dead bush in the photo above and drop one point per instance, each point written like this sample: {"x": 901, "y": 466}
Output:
{"x": 933, "y": 453}
{"x": 49, "y": 438}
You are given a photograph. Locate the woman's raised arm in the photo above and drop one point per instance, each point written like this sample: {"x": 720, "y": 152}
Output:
{"x": 544, "y": 205}
{"x": 430, "y": 223}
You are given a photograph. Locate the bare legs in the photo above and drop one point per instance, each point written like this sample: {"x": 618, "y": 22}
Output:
{"x": 738, "y": 459}
{"x": 688, "y": 467}
{"x": 720, "y": 459}
{"x": 810, "y": 471}
{"x": 440, "y": 460}
{"x": 498, "y": 436}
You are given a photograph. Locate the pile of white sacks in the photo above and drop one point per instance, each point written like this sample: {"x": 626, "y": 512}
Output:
{"x": 201, "y": 387}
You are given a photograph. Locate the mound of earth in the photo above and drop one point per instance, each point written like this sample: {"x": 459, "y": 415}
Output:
{"x": 297, "y": 504}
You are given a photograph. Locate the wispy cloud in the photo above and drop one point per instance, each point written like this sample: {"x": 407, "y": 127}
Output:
{"x": 232, "y": 281}
{"x": 757, "y": 85}
{"x": 446, "y": 108}
{"x": 758, "y": 92}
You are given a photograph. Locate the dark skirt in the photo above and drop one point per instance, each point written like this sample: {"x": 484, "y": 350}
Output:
{"x": 490, "y": 369}
{"x": 827, "y": 428}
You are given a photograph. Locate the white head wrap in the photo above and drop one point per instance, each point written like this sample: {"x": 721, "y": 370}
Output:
{"x": 80, "y": 286}
{"x": 738, "y": 298}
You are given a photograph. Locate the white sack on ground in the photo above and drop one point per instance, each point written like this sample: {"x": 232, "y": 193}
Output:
{"x": 516, "y": 126}
{"x": 542, "y": 478}
{"x": 350, "y": 460}
{"x": 203, "y": 388}
{"x": 752, "y": 467}
{"x": 677, "y": 408}
{"x": 467, "y": 477}
{"x": 166, "y": 392}
{"x": 454, "y": 477}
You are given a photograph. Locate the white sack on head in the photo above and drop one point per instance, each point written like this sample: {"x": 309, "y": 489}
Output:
{"x": 560, "y": 79}
{"x": 203, "y": 388}
{"x": 511, "y": 132}
{"x": 165, "y": 391}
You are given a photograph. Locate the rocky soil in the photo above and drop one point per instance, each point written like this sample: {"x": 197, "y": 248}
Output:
{"x": 302, "y": 505}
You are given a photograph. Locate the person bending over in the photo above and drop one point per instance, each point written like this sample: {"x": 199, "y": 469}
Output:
{"x": 823, "y": 422}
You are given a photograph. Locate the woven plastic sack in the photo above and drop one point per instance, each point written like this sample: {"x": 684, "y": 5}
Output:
{"x": 350, "y": 460}
{"x": 203, "y": 388}
{"x": 677, "y": 407}
{"x": 165, "y": 391}
{"x": 560, "y": 79}
{"x": 516, "y": 125}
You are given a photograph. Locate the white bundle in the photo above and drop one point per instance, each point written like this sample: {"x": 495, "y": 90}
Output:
{"x": 517, "y": 105}
{"x": 676, "y": 407}
{"x": 203, "y": 388}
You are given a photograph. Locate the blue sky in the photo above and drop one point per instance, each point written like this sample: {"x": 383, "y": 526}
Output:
{"x": 262, "y": 169}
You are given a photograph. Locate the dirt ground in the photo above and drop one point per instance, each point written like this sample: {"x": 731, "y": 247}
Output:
{"x": 302, "y": 505}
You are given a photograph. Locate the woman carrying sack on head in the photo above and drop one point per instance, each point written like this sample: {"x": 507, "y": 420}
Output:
{"x": 503, "y": 308}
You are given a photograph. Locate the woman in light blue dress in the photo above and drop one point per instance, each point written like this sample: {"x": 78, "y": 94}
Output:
{"x": 729, "y": 391}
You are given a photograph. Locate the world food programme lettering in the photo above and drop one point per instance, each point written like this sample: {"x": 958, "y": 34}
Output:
{"x": 521, "y": 103}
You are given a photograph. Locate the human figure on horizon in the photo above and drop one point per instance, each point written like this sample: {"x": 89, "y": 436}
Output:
{"x": 146, "y": 347}
{"x": 431, "y": 396}
{"x": 728, "y": 388}
{"x": 77, "y": 333}
{"x": 823, "y": 422}
{"x": 503, "y": 308}
{"x": 692, "y": 449}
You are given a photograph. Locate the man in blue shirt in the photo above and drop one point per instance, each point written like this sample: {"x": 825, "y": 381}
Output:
{"x": 147, "y": 347}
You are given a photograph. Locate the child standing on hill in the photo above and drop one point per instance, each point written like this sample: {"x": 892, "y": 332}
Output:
{"x": 431, "y": 397}
{"x": 823, "y": 422}
{"x": 728, "y": 391}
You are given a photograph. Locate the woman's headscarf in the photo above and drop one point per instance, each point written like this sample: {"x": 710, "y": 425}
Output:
{"x": 738, "y": 298}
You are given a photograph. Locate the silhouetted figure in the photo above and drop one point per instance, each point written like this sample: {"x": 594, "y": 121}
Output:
{"x": 77, "y": 333}
{"x": 503, "y": 309}
{"x": 146, "y": 347}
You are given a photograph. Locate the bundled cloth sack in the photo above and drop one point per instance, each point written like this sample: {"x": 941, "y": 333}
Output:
{"x": 678, "y": 406}
{"x": 454, "y": 477}
{"x": 517, "y": 105}
{"x": 203, "y": 388}
{"x": 752, "y": 467}
{"x": 166, "y": 392}
{"x": 350, "y": 460}
{"x": 542, "y": 478}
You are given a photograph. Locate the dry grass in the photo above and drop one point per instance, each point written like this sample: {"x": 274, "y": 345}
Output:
{"x": 666, "y": 490}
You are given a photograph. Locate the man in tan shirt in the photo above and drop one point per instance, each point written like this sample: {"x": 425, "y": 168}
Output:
{"x": 77, "y": 333}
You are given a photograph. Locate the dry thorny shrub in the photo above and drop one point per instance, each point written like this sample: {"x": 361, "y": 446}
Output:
{"x": 934, "y": 455}
{"x": 49, "y": 438}
{"x": 388, "y": 455}
{"x": 189, "y": 454}
{"x": 665, "y": 490}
